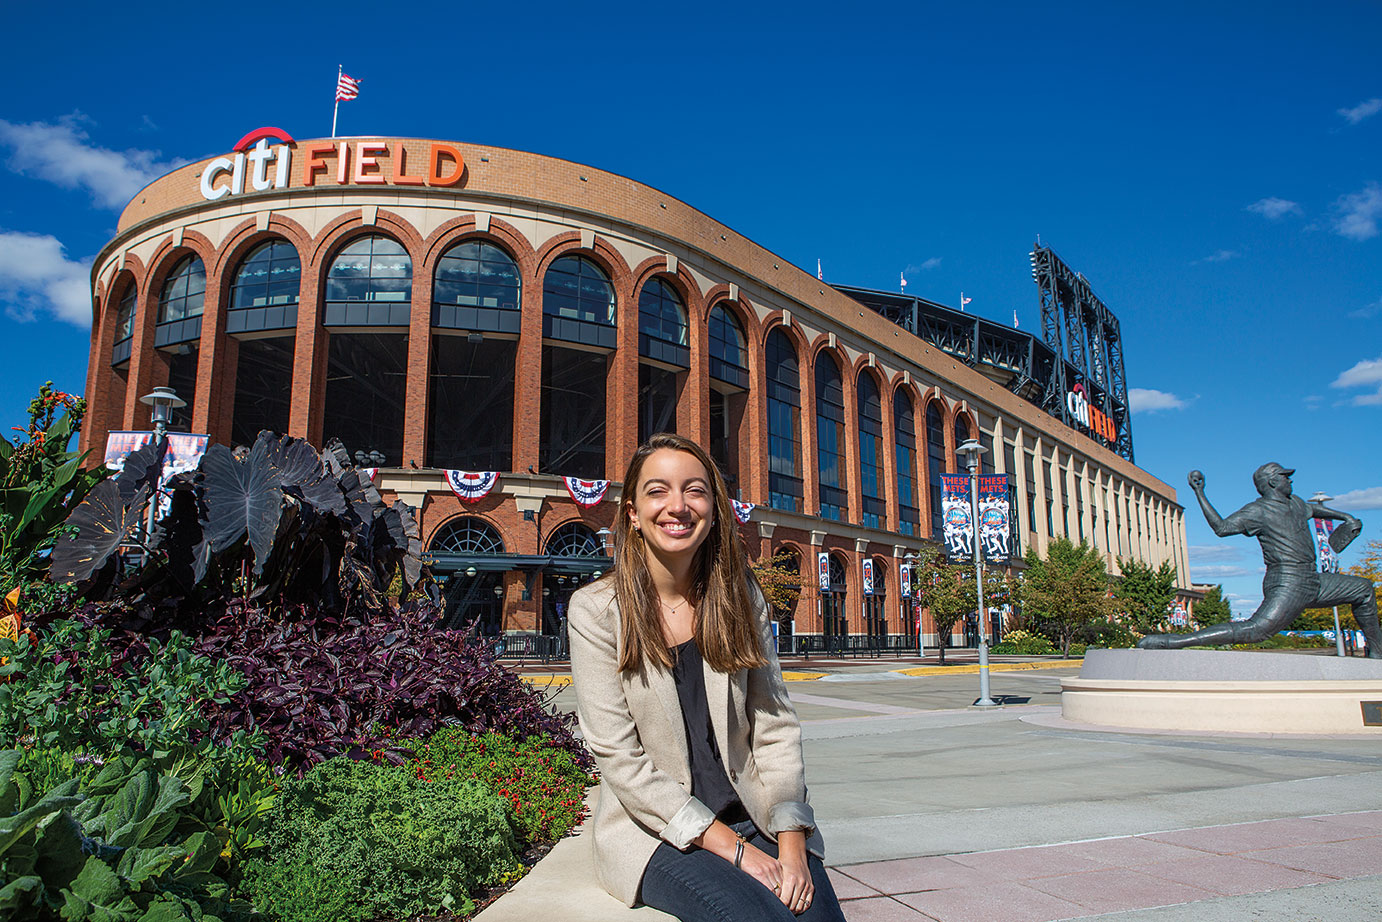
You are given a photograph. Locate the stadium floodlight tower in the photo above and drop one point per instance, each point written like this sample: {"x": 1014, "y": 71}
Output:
{"x": 1092, "y": 387}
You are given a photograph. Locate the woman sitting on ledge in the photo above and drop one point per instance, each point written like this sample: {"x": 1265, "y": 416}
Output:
{"x": 702, "y": 810}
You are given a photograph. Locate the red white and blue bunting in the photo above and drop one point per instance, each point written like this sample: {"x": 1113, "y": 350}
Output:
{"x": 742, "y": 511}
{"x": 371, "y": 472}
{"x": 471, "y": 486}
{"x": 586, "y": 492}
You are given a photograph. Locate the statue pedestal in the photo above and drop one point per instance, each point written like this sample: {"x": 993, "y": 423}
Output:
{"x": 1227, "y": 691}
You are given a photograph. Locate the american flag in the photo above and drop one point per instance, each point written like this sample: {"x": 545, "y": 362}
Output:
{"x": 347, "y": 88}
{"x": 904, "y": 281}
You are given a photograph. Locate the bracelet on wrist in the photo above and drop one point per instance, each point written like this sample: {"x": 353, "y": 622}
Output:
{"x": 738, "y": 851}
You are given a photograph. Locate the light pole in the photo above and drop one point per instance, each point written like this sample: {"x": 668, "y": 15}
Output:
{"x": 163, "y": 400}
{"x": 971, "y": 449}
{"x": 1320, "y": 499}
{"x": 909, "y": 605}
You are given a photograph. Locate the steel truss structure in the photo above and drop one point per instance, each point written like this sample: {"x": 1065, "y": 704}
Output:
{"x": 1016, "y": 360}
{"x": 1083, "y": 332}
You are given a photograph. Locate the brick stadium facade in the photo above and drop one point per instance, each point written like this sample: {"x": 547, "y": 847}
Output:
{"x": 453, "y": 306}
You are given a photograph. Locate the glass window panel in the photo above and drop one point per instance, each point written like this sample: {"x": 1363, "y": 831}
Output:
{"x": 366, "y": 385}
{"x": 784, "y": 423}
{"x": 263, "y": 388}
{"x": 661, "y": 314}
{"x": 572, "y": 424}
{"x": 575, "y": 287}
{"x": 124, "y": 314}
{"x": 271, "y": 274}
{"x": 471, "y": 410}
{"x": 727, "y": 340}
{"x": 373, "y": 268}
{"x": 184, "y": 291}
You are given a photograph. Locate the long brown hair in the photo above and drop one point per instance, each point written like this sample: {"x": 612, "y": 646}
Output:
{"x": 720, "y": 579}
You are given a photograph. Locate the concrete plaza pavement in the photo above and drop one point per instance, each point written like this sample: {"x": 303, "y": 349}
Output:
{"x": 933, "y": 810}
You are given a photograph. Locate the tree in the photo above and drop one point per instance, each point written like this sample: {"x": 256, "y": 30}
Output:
{"x": 1145, "y": 594}
{"x": 1213, "y": 608}
{"x": 1068, "y": 588}
{"x": 948, "y": 591}
{"x": 780, "y": 577}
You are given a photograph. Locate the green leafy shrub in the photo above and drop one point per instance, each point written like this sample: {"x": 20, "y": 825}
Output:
{"x": 63, "y": 688}
{"x": 123, "y": 846}
{"x": 1109, "y": 634}
{"x": 540, "y": 784}
{"x": 1022, "y": 643}
{"x": 356, "y": 840}
{"x": 41, "y": 482}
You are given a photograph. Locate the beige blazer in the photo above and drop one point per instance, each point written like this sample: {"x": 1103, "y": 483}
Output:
{"x": 632, "y": 723}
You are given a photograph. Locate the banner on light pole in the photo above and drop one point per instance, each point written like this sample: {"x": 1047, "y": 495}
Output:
{"x": 957, "y": 522}
{"x": 995, "y": 523}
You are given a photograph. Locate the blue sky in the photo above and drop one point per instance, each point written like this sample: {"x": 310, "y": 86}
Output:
{"x": 1213, "y": 169}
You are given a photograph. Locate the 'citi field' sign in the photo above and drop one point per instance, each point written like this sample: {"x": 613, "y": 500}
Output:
{"x": 1090, "y": 416}
{"x": 264, "y": 159}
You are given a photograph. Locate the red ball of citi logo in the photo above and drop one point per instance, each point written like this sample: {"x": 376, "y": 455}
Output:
{"x": 263, "y": 160}
{"x": 1090, "y": 416}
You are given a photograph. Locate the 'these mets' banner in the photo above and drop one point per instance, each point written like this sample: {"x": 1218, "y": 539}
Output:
{"x": 995, "y": 531}
{"x": 957, "y": 524}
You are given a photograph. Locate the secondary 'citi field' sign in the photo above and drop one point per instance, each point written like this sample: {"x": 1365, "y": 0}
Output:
{"x": 1090, "y": 416}
{"x": 264, "y": 159}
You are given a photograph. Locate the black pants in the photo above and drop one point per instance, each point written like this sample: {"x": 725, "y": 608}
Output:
{"x": 698, "y": 886}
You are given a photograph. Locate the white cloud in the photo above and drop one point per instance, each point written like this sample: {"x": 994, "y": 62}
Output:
{"x": 1218, "y": 256}
{"x": 36, "y": 275}
{"x": 925, "y": 265}
{"x": 1214, "y": 553}
{"x": 1366, "y": 498}
{"x": 1359, "y": 212}
{"x": 1146, "y": 400}
{"x": 1361, "y": 111}
{"x": 1273, "y": 208}
{"x": 1366, "y": 374}
{"x": 61, "y": 153}
{"x": 1367, "y": 311}
{"x": 1217, "y": 572}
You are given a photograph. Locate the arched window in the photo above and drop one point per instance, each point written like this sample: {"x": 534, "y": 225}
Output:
{"x": 577, "y": 289}
{"x": 661, "y": 338}
{"x": 477, "y": 286}
{"x": 184, "y": 291}
{"x": 784, "y": 423}
{"x": 574, "y": 539}
{"x": 871, "y": 452}
{"x": 729, "y": 357}
{"x": 935, "y": 452}
{"x": 830, "y": 439}
{"x": 265, "y": 291}
{"x": 370, "y": 283}
{"x": 961, "y": 436}
{"x": 124, "y": 325}
{"x": 729, "y": 381}
{"x": 905, "y": 438}
{"x": 467, "y": 535}
{"x": 661, "y": 316}
{"x": 473, "y": 602}
{"x": 124, "y": 313}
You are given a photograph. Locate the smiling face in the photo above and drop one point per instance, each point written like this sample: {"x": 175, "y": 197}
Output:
{"x": 673, "y": 508}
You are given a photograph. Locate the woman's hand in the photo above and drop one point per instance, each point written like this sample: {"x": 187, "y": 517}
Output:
{"x": 796, "y": 889}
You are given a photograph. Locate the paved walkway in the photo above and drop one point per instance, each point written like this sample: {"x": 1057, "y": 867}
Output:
{"x": 1114, "y": 875}
{"x": 933, "y": 810}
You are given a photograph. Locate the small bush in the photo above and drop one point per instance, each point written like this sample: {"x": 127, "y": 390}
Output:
{"x": 1021, "y": 643}
{"x": 122, "y": 845}
{"x": 1108, "y": 633}
{"x": 66, "y": 691}
{"x": 541, "y": 785}
{"x": 356, "y": 840}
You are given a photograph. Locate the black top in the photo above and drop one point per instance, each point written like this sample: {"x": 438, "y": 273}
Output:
{"x": 709, "y": 783}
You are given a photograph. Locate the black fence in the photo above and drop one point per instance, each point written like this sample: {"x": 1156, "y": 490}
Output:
{"x": 541, "y": 648}
{"x": 847, "y": 645}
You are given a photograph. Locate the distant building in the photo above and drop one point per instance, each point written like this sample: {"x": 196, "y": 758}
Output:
{"x": 438, "y": 305}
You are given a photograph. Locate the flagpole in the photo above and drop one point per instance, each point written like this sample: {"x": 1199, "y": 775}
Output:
{"x": 340, "y": 69}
